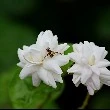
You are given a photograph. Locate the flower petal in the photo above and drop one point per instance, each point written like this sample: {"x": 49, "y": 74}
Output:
{"x": 103, "y": 63}
{"x": 91, "y": 84}
{"x": 27, "y": 70}
{"x": 35, "y": 79}
{"x": 75, "y": 57}
{"x": 52, "y": 66}
{"x": 25, "y": 47}
{"x": 95, "y": 70}
{"x": 105, "y": 77}
{"x": 104, "y": 71}
{"x": 20, "y": 55}
{"x": 75, "y": 68}
{"x": 20, "y": 64}
{"x": 96, "y": 81}
{"x": 61, "y": 59}
{"x": 42, "y": 74}
{"x": 57, "y": 77}
{"x": 86, "y": 50}
{"x": 77, "y": 84}
{"x": 98, "y": 52}
{"x": 105, "y": 82}
{"x": 51, "y": 80}
{"x": 86, "y": 74}
{"x": 104, "y": 54}
{"x": 77, "y": 47}
{"x": 62, "y": 47}
{"x": 76, "y": 78}
{"x": 54, "y": 43}
{"x": 90, "y": 90}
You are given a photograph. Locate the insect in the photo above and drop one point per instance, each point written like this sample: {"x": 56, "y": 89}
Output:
{"x": 51, "y": 53}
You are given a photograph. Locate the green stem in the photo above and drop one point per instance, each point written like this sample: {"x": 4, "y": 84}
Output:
{"x": 85, "y": 103}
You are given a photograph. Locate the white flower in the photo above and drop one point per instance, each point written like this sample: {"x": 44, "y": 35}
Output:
{"x": 90, "y": 66}
{"x": 43, "y": 60}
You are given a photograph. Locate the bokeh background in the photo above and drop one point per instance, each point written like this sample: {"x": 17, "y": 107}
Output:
{"x": 73, "y": 21}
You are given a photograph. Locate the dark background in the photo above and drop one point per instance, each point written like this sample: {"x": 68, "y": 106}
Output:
{"x": 73, "y": 21}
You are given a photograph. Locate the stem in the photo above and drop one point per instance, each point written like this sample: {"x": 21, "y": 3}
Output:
{"x": 85, "y": 103}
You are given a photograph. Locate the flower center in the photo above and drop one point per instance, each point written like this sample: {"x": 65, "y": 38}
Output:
{"x": 51, "y": 53}
{"x": 91, "y": 60}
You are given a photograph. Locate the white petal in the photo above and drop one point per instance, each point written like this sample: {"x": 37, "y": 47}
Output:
{"x": 95, "y": 70}
{"x": 61, "y": 59}
{"x": 75, "y": 57}
{"x": 48, "y": 35}
{"x": 98, "y": 52}
{"x": 86, "y": 50}
{"x": 42, "y": 74}
{"x": 104, "y": 71}
{"x": 52, "y": 66}
{"x": 90, "y": 90}
{"x": 51, "y": 80}
{"x": 27, "y": 70}
{"x": 36, "y": 55}
{"x": 108, "y": 83}
{"x": 105, "y": 82}
{"x": 20, "y": 55}
{"x": 75, "y": 68}
{"x": 105, "y": 74}
{"x": 86, "y": 74}
{"x": 62, "y": 47}
{"x": 57, "y": 77}
{"x": 25, "y": 47}
{"x": 104, "y": 54}
{"x": 77, "y": 47}
{"x": 76, "y": 78}
{"x": 54, "y": 43}
{"x": 96, "y": 81}
{"x": 77, "y": 84}
{"x": 40, "y": 40}
{"x": 105, "y": 77}
{"x": 35, "y": 79}
{"x": 91, "y": 84}
{"x": 21, "y": 64}
{"x": 103, "y": 63}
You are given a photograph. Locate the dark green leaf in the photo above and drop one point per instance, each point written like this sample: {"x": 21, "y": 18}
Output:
{"x": 24, "y": 95}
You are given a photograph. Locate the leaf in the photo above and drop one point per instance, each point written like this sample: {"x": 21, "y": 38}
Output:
{"x": 5, "y": 79}
{"x": 50, "y": 105}
{"x": 67, "y": 66}
{"x": 24, "y": 95}
{"x": 69, "y": 50}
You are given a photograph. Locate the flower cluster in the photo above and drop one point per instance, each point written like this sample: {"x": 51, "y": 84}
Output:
{"x": 43, "y": 61}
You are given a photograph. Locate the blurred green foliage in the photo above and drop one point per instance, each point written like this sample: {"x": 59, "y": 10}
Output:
{"x": 13, "y": 36}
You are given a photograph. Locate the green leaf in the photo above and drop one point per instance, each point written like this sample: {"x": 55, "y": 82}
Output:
{"x": 50, "y": 105}
{"x": 24, "y": 95}
{"x": 67, "y": 66}
{"x": 69, "y": 50}
{"x": 5, "y": 79}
